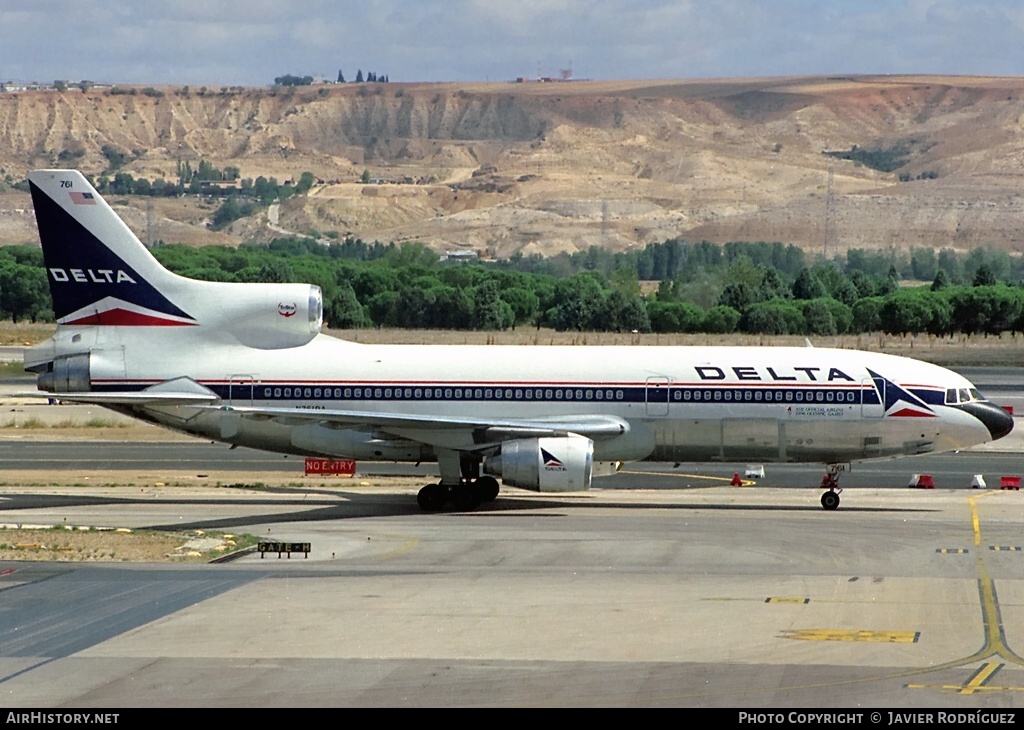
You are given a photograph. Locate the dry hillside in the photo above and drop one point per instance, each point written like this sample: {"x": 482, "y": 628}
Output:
{"x": 503, "y": 167}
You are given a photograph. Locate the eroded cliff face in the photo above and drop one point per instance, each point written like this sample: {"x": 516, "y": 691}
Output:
{"x": 379, "y": 123}
{"x": 500, "y": 168}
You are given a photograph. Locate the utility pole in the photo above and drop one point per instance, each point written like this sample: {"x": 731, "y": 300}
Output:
{"x": 830, "y": 213}
{"x": 149, "y": 223}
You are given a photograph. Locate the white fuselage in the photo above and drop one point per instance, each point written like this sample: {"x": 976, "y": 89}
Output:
{"x": 681, "y": 403}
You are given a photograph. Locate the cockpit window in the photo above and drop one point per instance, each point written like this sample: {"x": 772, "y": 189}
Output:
{"x": 963, "y": 395}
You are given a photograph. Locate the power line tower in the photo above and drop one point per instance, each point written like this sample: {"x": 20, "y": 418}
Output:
{"x": 830, "y": 215}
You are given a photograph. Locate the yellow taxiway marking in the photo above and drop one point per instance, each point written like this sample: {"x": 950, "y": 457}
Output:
{"x": 890, "y": 637}
{"x": 975, "y": 523}
{"x": 728, "y": 480}
{"x": 978, "y": 682}
{"x": 405, "y": 543}
{"x": 992, "y": 622}
{"x": 985, "y": 673}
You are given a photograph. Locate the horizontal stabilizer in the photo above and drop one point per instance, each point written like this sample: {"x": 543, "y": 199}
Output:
{"x": 127, "y": 398}
{"x": 176, "y": 392}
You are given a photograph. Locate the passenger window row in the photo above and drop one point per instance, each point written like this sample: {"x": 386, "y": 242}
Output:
{"x": 682, "y": 395}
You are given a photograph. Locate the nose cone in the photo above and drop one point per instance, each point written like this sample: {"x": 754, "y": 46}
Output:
{"x": 996, "y": 420}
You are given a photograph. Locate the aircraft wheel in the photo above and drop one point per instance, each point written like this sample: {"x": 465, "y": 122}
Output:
{"x": 465, "y": 497}
{"x": 830, "y": 500}
{"x": 487, "y": 488}
{"x": 432, "y": 497}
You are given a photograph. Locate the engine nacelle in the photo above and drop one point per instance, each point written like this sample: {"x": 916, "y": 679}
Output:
{"x": 67, "y": 374}
{"x": 550, "y": 464}
{"x": 75, "y": 373}
{"x": 269, "y": 316}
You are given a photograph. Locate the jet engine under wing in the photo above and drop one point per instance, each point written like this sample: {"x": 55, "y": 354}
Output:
{"x": 485, "y": 429}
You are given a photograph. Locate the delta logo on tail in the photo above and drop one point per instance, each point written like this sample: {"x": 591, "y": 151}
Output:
{"x": 899, "y": 402}
{"x": 109, "y": 291}
{"x": 551, "y": 462}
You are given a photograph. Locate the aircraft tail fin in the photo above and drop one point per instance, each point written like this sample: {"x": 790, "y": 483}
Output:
{"x": 100, "y": 274}
{"x": 98, "y": 270}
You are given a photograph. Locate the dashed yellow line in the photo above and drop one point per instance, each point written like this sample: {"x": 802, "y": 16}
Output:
{"x": 890, "y": 637}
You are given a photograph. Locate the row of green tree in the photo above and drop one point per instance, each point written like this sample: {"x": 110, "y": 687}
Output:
{"x": 263, "y": 190}
{"x": 205, "y": 180}
{"x": 735, "y": 287}
{"x": 292, "y": 80}
{"x": 409, "y": 286}
{"x": 371, "y": 76}
{"x": 689, "y": 263}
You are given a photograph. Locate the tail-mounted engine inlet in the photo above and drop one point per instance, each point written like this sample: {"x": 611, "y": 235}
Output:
{"x": 66, "y": 374}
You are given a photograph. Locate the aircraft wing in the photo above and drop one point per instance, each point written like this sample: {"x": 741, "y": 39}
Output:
{"x": 484, "y": 428}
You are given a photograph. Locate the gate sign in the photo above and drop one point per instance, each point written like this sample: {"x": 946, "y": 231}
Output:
{"x": 331, "y": 467}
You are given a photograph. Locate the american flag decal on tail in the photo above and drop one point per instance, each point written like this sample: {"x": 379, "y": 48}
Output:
{"x": 83, "y": 198}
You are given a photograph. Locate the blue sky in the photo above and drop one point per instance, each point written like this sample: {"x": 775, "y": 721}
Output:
{"x": 249, "y": 42}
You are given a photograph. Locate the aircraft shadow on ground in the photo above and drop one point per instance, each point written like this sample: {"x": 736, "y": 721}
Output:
{"x": 335, "y": 505}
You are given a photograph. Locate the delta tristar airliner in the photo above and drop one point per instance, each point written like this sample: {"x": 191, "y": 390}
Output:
{"x": 247, "y": 365}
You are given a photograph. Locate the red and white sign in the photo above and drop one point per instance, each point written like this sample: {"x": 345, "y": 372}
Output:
{"x": 330, "y": 467}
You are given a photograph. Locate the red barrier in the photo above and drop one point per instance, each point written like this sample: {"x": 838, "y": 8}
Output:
{"x": 925, "y": 481}
{"x": 330, "y": 467}
{"x": 1008, "y": 409}
{"x": 1009, "y": 483}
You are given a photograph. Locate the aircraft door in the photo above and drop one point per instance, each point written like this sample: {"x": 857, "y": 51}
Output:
{"x": 240, "y": 388}
{"x": 872, "y": 398}
{"x": 656, "y": 395}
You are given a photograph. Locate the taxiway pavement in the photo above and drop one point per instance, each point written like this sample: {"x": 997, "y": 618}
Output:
{"x": 653, "y": 589}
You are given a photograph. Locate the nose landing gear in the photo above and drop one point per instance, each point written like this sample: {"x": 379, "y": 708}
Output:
{"x": 830, "y": 481}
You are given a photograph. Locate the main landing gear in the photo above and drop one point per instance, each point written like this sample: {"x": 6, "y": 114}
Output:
{"x": 461, "y": 484}
{"x": 467, "y": 495}
{"x": 830, "y": 481}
